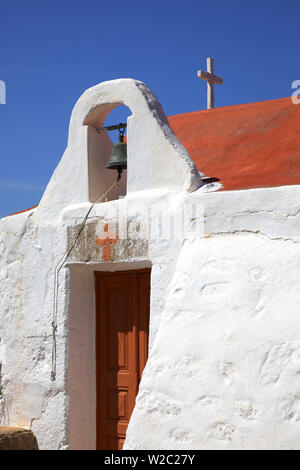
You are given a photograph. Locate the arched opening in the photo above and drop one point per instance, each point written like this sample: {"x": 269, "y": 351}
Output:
{"x": 99, "y": 146}
{"x": 117, "y": 115}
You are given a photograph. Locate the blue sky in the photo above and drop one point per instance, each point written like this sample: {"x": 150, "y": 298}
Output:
{"x": 52, "y": 51}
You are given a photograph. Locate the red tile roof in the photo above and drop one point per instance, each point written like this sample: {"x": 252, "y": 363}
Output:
{"x": 246, "y": 146}
{"x": 24, "y": 210}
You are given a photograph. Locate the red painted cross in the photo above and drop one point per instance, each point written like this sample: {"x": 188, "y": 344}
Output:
{"x": 106, "y": 240}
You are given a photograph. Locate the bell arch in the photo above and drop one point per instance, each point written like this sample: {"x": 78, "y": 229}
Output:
{"x": 155, "y": 157}
{"x": 99, "y": 149}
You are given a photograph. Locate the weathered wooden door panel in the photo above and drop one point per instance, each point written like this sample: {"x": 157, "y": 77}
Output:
{"x": 122, "y": 346}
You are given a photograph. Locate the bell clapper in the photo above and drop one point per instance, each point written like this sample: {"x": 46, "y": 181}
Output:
{"x": 120, "y": 170}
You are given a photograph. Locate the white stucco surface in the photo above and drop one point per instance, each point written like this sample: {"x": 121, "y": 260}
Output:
{"x": 223, "y": 372}
{"x": 224, "y": 363}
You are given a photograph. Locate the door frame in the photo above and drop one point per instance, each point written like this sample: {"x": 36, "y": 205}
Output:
{"x": 97, "y": 275}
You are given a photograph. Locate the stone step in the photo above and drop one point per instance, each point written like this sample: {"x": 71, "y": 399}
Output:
{"x": 12, "y": 438}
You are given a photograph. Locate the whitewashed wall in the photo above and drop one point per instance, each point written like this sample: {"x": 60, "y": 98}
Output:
{"x": 224, "y": 369}
{"x": 224, "y": 364}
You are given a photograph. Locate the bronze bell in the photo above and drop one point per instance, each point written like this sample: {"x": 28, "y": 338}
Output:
{"x": 118, "y": 159}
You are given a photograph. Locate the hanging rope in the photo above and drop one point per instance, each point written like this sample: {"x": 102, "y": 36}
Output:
{"x": 59, "y": 266}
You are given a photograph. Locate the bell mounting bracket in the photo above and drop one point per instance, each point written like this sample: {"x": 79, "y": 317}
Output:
{"x": 121, "y": 127}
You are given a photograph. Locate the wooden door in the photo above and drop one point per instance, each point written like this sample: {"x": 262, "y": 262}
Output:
{"x": 122, "y": 308}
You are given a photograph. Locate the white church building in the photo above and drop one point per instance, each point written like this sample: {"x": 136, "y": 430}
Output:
{"x": 161, "y": 311}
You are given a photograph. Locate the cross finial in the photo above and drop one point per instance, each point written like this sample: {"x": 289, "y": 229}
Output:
{"x": 211, "y": 79}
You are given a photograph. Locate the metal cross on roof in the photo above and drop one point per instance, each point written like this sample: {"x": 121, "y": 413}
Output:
{"x": 211, "y": 80}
